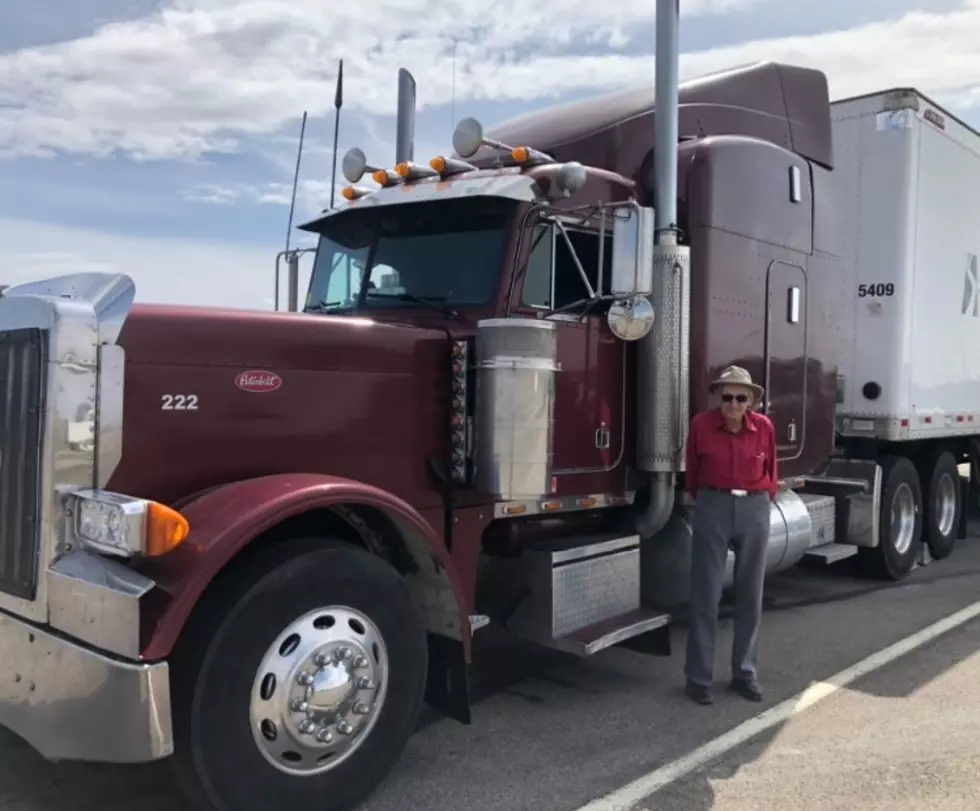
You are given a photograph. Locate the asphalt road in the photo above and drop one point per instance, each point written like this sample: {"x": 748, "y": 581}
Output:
{"x": 903, "y": 739}
{"x": 552, "y": 733}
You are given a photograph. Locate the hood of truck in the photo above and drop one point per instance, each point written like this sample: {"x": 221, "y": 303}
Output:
{"x": 218, "y": 395}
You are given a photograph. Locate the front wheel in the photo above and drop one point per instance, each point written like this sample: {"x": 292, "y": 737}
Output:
{"x": 300, "y": 682}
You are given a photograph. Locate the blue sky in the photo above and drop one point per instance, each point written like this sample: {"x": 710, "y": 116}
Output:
{"x": 158, "y": 137}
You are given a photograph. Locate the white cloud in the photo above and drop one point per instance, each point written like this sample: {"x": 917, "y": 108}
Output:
{"x": 312, "y": 196}
{"x": 164, "y": 270}
{"x": 202, "y": 74}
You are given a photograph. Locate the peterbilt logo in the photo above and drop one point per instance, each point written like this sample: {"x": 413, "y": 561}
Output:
{"x": 971, "y": 287}
{"x": 258, "y": 381}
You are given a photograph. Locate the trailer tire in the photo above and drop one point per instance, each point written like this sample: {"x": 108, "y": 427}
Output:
{"x": 246, "y": 661}
{"x": 942, "y": 505}
{"x": 899, "y": 522}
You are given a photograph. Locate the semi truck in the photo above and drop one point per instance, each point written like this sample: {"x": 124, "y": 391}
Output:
{"x": 256, "y": 542}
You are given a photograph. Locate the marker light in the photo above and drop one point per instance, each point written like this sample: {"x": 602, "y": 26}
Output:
{"x": 410, "y": 171}
{"x": 165, "y": 529}
{"x": 458, "y": 433}
{"x": 450, "y": 166}
{"x": 526, "y": 155}
{"x": 352, "y": 193}
{"x": 385, "y": 177}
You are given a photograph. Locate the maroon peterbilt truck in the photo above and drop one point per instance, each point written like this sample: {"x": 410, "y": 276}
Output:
{"x": 257, "y": 541}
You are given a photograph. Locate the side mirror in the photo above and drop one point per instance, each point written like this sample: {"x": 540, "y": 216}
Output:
{"x": 632, "y": 252}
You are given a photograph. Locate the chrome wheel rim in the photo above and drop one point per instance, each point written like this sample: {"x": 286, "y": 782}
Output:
{"x": 945, "y": 507}
{"x": 903, "y": 518}
{"x": 319, "y": 691}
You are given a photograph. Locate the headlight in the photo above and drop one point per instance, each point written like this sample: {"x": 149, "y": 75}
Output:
{"x": 120, "y": 525}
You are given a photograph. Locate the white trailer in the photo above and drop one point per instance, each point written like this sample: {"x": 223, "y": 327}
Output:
{"x": 908, "y": 175}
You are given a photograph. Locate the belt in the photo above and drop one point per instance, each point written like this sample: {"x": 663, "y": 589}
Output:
{"x": 736, "y": 493}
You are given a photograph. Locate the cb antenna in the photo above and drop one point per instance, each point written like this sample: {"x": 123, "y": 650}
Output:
{"x": 338, "y": 102}
{"x": 452, "y": 113}
{"x": 292, "y": 202}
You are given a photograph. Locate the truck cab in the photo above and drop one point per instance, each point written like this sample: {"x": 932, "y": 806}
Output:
{"x": 463, "y": 250}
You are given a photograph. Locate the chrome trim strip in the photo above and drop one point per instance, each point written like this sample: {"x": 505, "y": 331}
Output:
{"x": 565, "y": 504}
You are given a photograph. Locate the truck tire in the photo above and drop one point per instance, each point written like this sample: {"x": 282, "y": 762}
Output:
{"x": 941, "y": 505}
{"x": 299, "y": 680}
{"x": 899, "y": 522}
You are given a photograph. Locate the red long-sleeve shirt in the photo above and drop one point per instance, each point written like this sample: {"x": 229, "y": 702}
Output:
{"x": 726, "y": 461}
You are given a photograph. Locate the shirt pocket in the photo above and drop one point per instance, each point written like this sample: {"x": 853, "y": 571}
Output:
{"x": 754, "y": 463}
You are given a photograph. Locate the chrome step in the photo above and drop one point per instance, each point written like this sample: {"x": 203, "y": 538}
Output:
{"x": 579, "y": 594}
{"x": 830, "y": 553}
{"x": 626, "y": 627}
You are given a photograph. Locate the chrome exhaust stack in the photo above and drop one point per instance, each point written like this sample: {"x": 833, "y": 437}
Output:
{"x": 663, "y": 357}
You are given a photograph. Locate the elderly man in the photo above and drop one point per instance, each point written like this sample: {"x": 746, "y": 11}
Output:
{"x": 731, "y": 476}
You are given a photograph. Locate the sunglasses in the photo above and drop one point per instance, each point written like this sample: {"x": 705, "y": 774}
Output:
{"x": 738, "y": 398}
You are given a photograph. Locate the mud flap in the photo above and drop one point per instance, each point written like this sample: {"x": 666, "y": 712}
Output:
{"x": 968, "y": 498}
{"x": 447, "y": 687}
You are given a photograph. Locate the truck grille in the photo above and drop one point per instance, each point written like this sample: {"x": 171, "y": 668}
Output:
{"x": 23, "y": 365}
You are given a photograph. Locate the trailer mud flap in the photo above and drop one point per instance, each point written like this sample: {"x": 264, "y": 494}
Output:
{"x": 447, "y": 688}
{"x": 968, "y": 497}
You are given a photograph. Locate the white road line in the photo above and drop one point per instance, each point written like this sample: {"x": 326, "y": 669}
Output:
{"x": 631, "y": 794}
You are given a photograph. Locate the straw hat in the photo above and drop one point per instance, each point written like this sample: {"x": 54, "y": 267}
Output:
{"x": 737, "y": 376}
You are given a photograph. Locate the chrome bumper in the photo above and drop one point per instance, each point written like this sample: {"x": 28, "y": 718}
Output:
{"x": 71, "y": 703}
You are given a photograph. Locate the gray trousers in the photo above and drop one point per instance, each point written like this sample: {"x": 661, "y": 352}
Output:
{"x": 742, "y": 522}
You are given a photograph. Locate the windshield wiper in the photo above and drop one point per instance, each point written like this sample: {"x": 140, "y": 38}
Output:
{"x": 428, "y": 301}
{"x": 327, "y": 306}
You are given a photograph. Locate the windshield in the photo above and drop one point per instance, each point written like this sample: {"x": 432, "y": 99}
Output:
{"x": 441, "y": 254}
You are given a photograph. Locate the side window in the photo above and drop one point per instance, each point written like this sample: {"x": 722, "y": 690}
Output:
{"x": 568, "y": 280}
{"x": 537, "y": 282}
{"x": 553, "y": 280}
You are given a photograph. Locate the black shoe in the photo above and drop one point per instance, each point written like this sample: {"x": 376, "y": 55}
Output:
{"x": 746, "y": 689}
{"x": 698, "y": 694}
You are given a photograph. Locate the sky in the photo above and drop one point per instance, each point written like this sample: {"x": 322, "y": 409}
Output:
{"x": 158, "y": 137}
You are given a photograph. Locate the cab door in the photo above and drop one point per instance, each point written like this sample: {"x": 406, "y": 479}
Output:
{"x": 589, "y": 419}
{"x": 786, "y": 357}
